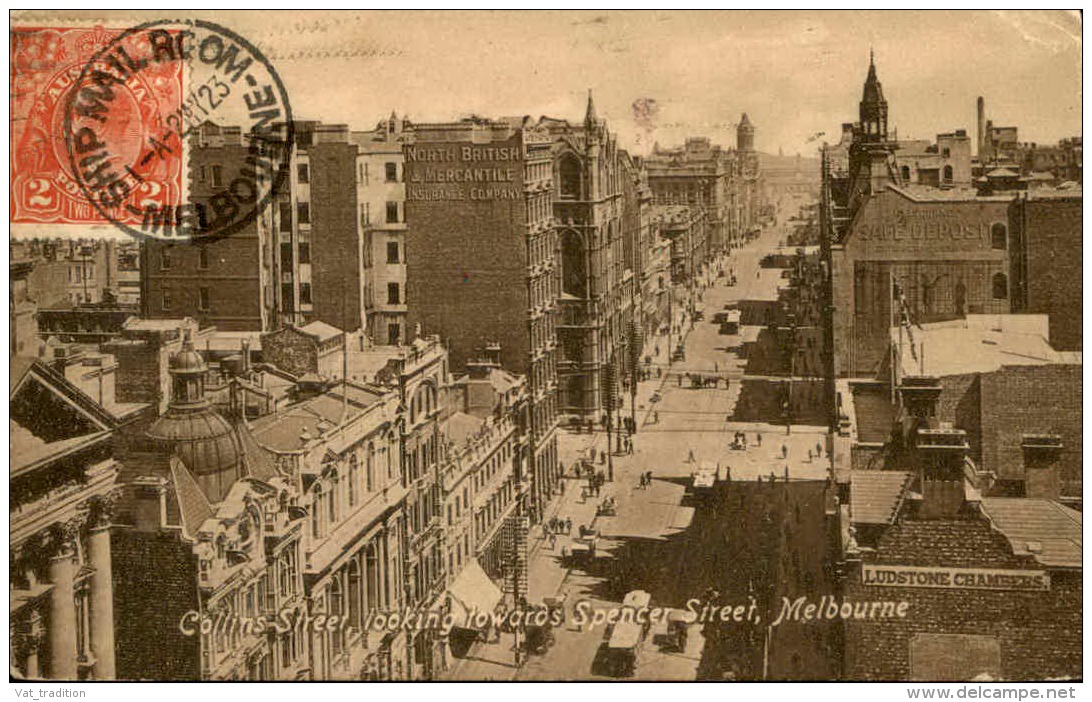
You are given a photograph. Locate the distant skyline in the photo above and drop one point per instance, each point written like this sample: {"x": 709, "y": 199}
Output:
{"x": 795, "y": 73}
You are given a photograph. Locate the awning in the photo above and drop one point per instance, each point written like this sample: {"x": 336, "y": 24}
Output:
{"x": 473, "y": 591}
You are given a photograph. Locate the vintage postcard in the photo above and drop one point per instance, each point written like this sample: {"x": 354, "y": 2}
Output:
{"x": 545, "y": 346}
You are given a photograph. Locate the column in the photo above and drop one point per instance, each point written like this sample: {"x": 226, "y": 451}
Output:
{"x": 62, "y": 617}
{"x": 102, "y": 603}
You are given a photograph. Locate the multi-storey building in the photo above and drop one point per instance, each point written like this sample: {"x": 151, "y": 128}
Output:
{"x": 726, "y": 183}
{"x": 227, "y": 283}
{"x": 899, "y": 249}
{"x": 342, "y": 448}
{"x": 383, "y": 193}
{"x": 482, "y": 260}
{"x": 483, "y": 464}
{"x": 262, "y": 276}
{"x": 597, "y": 285}
{"x": 62, "y": 479}
{"x": 206, "y": 547}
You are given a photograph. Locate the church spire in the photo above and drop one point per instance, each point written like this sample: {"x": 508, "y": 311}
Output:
{"x": 873, "y": 107}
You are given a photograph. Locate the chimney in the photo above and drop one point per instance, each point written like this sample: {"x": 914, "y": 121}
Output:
{"x": 1041, "y": 455}
{"x": 493, "y": 353}
{"x": 919, "y": 395}
{"x": 981, "y": 126}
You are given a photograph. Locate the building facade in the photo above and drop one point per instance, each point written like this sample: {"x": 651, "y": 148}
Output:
{"x": 598, "y": 288}
{"x": 483, "y": 258}
{"x": 384, "y": 198}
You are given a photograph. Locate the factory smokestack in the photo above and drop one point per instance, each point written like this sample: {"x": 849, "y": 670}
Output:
{"x": 981, "y": 126}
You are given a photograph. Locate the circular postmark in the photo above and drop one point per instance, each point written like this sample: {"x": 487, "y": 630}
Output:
{"x": 226, "y": 129}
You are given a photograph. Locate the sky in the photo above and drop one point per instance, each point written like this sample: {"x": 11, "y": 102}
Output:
{"x": 795, "y": 73}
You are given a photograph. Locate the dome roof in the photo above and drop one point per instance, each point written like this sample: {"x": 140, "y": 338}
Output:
{"x": 206, "y": 443}
{"x": 187, "y": 360}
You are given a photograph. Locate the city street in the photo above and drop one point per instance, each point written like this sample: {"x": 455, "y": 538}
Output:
{"x": 649, "y": 541}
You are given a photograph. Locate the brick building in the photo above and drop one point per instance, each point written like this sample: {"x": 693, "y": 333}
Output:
{"x": 904, "y": 248}
{"x": 384, "y": 200}
{"x": 226, "y": 283}
{"x": 1003, "y": 384}
{"x": 261, "y": 276}
{"x": 1047, "y": 260}
{"x": 483, "y": 259}
{"x": 998, "y": 578}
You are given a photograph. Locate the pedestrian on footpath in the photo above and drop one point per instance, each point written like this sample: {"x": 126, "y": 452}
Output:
{"x": 568, "y": 525}
{"x": 758, "y": 438}
{"x": 784, "y": 451}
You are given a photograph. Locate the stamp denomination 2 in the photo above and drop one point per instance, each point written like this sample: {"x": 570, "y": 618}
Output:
{"x": 226, "y": 81}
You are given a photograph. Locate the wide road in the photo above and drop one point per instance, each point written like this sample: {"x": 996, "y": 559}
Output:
{"x": 649, "y": 544}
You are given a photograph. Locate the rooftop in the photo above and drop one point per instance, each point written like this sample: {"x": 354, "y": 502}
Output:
{"x": 978, "y": 344}
{"x": 293, "y": 428}
{"x": 320, "y": 330}
{"x": 875, "y": 495}
{"x": 1044, "y": 529}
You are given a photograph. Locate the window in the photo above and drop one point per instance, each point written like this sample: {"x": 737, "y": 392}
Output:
{"x": 946, "y": 152}
{"x": 203, "y": 257}
{"x": 203, "y": 299}
{"x": 166, "y": 298}
{"x": 1000, "y": 286}
{"x": 569, "y": 172}
{"x": 303, "y": 211}
{"x": 947, "y": 174}
{"x": 999, "y": 236}
{"x": 217, "y": 177}
{"x": 391, "y": 172}
{"x": 305, "y": 293}
{"x": 392, "y": 212}
{"x": 305, "y": 252}
{"x": 369, "y": 468}
{"x": 286, "y": 216}
{"x": 906, "y": 173}
{"x": 354, "y": 479}
{"x": 393, "y": 297}
{"x": 392, "y": 252}
{"x": 202, "y": 174}
{"x": 302, "y": 173}
{"x": 394, "y": 334}
{"x": 164, "y": 263}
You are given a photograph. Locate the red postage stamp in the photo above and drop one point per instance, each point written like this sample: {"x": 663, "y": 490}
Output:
{"x": 46, "y": 62}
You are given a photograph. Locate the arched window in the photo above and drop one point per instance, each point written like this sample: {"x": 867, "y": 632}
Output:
{"x": 316, "y": 513}
{"x": 331, "y": 501}
{"x": 1000, "y": 286}
{"x": 574, "y": 271}
{"x": 354, "y": 479}
{"x": 947, "y": 174}
{"x": 999, "y": 236}
{"x": 337, "y": 609}
{"x": 371, "y": 563}
{"x": 906, "y": 173}
{"x": 369, "y": 468}
{"x": 355, "y": 599}
{"x": 570, "y": 176}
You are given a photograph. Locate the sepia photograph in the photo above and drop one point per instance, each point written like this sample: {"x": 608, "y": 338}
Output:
{"x": 546, "y": 346}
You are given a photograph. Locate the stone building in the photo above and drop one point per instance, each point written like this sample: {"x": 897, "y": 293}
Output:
{"x": 598, "y": 288}
{"x": 342, "y": 448}
{"x": 897, "y": 248}
{"x": 63, "y": 473}
{"x": 726, "y": 183}
{"x": 206, "y": 546}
